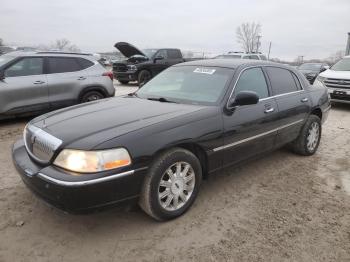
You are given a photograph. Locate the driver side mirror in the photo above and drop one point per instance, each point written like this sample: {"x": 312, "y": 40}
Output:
{"x": 159, "y": 57}
{"x": 244, "y": 98}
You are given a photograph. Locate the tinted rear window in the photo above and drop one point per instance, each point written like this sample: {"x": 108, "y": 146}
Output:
{"x": 282, "y": 80}
{"x": 65, "y": 64}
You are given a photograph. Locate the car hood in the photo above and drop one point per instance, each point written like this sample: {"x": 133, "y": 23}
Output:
{"x": 336, "y": 74}
{"x": 87, "y": 125}
{"x": 128, "y": 50}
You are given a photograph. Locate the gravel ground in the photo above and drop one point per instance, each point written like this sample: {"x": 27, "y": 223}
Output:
{"x": 282, "y": 207}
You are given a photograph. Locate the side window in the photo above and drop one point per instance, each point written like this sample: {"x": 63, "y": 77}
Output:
{"x": 26, "y": 67}
{"x": 282, "y": 80}
{"x": 63, "y": 64}
{"x": 84, "y": 63}
{"x": 253, "y": 80}
{"x": 254, "y": 57}
{"x": 246, "y": 57}
{"x": 162, "y": 53}
{"x": 174, "y": 54}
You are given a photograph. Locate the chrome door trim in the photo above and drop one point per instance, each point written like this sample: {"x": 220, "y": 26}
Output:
{"x": 256, "y": 136}
{"x": 87, "y": 182}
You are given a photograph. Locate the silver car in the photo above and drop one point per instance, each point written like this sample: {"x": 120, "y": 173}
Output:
{"x": 33, "y": 82}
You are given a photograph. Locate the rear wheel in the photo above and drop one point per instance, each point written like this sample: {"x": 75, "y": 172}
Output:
{"x": 143, "y": 77}
{"x": 124, "y": 82}
{"x": 171, "y": 185}
{"x": 91, "y": 96}
{"x": 309, "y": 138}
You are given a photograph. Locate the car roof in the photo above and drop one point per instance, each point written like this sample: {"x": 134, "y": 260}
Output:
{"x": 50, "y": 53}
{"x": 230, "y": 63}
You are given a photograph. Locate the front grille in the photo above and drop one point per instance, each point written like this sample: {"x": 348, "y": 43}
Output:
{"x": 120, "y": 67}
{"x": 337, "y": 83}
{"x": 40, "y": 144}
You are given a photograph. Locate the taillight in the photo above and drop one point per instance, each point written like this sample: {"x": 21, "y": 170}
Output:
{"x": 109, "y": 74}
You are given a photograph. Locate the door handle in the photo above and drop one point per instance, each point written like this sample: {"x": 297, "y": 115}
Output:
{"x": 39, "y": 82}
{"x": 304, "y": 100}
{"x": 269, "y": 110}
{"x": 81, "y": 78}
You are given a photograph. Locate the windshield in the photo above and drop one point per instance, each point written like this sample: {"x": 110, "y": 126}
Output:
{"x": 189, "y": 85}
{"x": 342, "y": 65}
{"x": 313, "y": 67}
{"x": 4, "y": 59}
{"x": 149, "y": 52}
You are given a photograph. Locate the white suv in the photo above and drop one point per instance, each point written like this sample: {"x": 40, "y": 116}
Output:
{"x": 241, "y": 55}
{"x": 337, "y": 80}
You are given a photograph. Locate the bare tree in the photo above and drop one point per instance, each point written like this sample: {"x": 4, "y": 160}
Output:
{"x": 65, "y": 45}
{"x": 248, "y": 35}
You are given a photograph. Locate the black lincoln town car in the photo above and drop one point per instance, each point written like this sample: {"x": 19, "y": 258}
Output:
{"x": 156, "y": 145}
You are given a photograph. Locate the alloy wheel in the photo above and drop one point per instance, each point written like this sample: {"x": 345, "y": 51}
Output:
{"x": 176, "y": 186}
{"x": 313, "y": 136}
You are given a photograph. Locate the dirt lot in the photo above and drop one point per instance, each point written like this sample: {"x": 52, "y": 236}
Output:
{"x": 280, "y": 208}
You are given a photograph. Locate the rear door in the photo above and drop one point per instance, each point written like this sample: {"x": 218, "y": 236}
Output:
{"x": 250, "y": 129}
{"x": 66, "y": 78}
{"x": 292, "y": 100}
{"x": 24, "y": 88}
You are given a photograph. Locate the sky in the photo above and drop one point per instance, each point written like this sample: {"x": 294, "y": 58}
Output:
{"x": 312, "y": 28}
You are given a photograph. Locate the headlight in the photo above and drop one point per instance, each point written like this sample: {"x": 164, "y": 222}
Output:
{"x": 319, "y": 81}
{"x": 92, "y": 161}
{"x": 132, "y": 67}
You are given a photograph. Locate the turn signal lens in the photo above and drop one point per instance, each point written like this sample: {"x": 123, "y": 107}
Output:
{"x": 92, "y": 161}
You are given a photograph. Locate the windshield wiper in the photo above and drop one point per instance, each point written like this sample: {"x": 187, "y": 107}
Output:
{"x": 133, "y": 94}
{"x": 160, "y": 99}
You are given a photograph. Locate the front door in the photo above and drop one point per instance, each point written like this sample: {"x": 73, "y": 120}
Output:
{"x": 24, "y": 88}
{"x": 250, "y": 129}
{"x": 160, "y": 64}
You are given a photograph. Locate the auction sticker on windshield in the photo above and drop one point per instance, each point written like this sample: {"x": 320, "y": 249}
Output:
{"x": 204, "y": 70}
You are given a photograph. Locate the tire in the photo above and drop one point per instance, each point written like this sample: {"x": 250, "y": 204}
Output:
{"x": 158, "y": 183}
{"x": 143, "y": 77}
{"x": 308, "y": 140}
{"x": 124, "y": 82}
{"x": 91, "y": 96}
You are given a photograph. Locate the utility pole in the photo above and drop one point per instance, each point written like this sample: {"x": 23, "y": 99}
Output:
{"x": 347, "y": 52}
{"x": 258, "y": 43}
{"x": 301, "y": 59}
{"x": 268, "y": 56}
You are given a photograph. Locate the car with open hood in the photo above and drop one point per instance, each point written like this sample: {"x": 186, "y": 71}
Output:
{"x": 141, "y": 66}
{"x": 156, "y": 145}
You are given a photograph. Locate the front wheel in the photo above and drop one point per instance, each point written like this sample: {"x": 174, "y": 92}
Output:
{"x": 143, "y": 77}
{"x": 171, "y": 185}
{"x": 309, "y": 138}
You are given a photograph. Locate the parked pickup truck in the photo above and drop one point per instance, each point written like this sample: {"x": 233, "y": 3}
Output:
{"x": 141, "y": 66}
